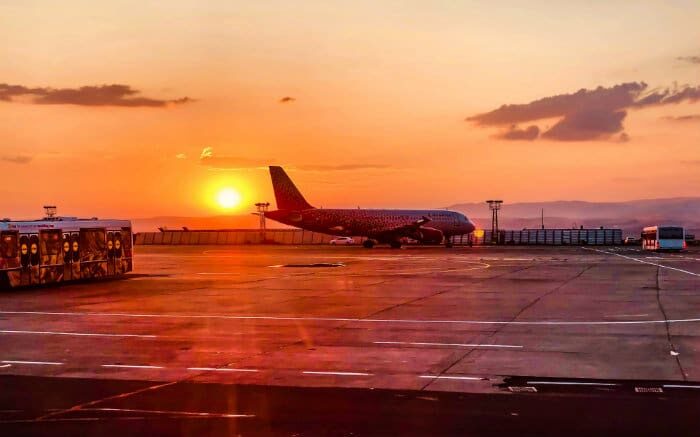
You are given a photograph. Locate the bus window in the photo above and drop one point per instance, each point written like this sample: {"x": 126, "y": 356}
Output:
{"x": 24, "y": 251}
{"x": 669, "y": 233}
{"x": 34, "y": 250}
{"x": 8, "y": 245}
{"x": 93, "y": 253}
{"x": 67, "y": 256}
{"x": 75, "y": 248}
{"x": 50, "y": 247}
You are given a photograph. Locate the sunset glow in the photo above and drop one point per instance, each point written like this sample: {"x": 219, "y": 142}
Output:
{"x": 228, "y": 198}
{"x": 419, "y": 104}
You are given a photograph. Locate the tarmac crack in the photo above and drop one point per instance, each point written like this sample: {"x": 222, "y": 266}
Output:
{"x": 514, "y": 318}
{"x": 671, "y": 345}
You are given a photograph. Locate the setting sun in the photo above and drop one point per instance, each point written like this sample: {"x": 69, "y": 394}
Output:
{"x": 228, "y": 198}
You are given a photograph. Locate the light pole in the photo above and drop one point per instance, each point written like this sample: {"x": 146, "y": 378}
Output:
{"x": 262, "y": 209}
{"x": 494, "y": 206}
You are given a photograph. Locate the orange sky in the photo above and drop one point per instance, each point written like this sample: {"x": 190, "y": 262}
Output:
{"x": 380, "y": 87}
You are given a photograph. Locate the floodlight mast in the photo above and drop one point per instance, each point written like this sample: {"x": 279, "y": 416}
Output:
{"x": 494, "y": 206}
{"x": 262, "y": 208}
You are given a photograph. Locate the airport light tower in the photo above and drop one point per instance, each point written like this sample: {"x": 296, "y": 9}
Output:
{"x": 262, "y": 209}
{"x": 494, "y": 206}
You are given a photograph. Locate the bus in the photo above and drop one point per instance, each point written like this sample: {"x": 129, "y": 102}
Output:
{"x": 663, "y": 238}
{"x": 63, "y": 249}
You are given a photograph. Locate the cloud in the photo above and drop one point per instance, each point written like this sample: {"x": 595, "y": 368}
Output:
{"x": 514, "y": 133}
{"x": 287, "y": 99}
{"x": 692, "y": 162}
{"x": 586, "y": 114}
{"x": 101, "y": 95}
{"x": 691, "y": 59}
{"x": 682, "y": 118}
{"x": 586, "y": 125}
{"x": 180, "y": 156}
{"x": 16, "y": 159}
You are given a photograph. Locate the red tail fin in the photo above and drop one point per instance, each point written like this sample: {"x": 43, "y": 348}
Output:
{"x": 286, "y": 193}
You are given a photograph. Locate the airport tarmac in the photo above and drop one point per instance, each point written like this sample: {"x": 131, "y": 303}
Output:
{"x": 478, "y": 321}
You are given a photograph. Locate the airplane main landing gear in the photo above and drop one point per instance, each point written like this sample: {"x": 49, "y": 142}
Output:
{"x": 395, "y": 244}
{"x": 368, "y": 244}
{"x": 448, "y": 243}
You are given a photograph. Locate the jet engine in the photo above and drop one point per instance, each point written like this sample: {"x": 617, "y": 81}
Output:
{"x": 428, "y": 235}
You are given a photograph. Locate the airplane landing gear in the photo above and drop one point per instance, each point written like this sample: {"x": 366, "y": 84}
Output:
{"x": 395, "y": 244}
{"x": 368, "y": 244}
{"x": 448, "y": 243}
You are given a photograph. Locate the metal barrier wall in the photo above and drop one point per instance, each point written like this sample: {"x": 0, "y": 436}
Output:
{"x": 551, "y": 237}
{"x": 548, "y": 237}
{"x": 233, "y": 236}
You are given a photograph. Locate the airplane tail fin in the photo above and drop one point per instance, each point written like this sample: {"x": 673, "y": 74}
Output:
{"x": 287, "y": 195}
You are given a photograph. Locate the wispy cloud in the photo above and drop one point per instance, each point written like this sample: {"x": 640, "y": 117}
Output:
{"x": 287, "y": 99}
{"x": 100, "y": 95}
{"x": 180, "y": 156}
{"x": 515, "y": 133}
{"x": 586, "y": 114}
{"x": 691, "y": 59}
{"x": 16, "y": 159}
{"x": 682, "y": 118}
{"x": 692, "y": 162}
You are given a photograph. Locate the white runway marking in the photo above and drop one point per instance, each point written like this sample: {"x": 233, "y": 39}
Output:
{"x": 465, "y": 378}
{"x": 129, "y": 366}
{"x": 5, "y": 366}
{"x": 220, "y": 369}
{"x": 221, "y": 273}
{"x": 604, "y": 384}
{"x": 447, "y": 344}
{"x": 358, "y": 320}
{"x": 309, "y": 372}
{"x": 680, "y": 386}
{"x": 38, "y": 363}
{"x": 170, "y": 412}
{"x": 646, "y": 262}
{"x": 75, "y": 334}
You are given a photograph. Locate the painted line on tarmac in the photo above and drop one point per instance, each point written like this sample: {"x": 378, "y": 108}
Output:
{"x": 645, "y": 262}
{"x": 4, "y": 366}
{"x": 602, "y": 384}
{"x": 37, "y": 363}
{"x": 416, "y": 343}
{"x": 131, "y": 366}
{"x": 311, "y": 372}
{"x": 219, "y": 369}
{"x": 357, "y": 320}
{"x": 170, "y": 412}
{"x": 461, "y": 378}
{"x": 75, "y": 334}
{"x": 681, "y": 386}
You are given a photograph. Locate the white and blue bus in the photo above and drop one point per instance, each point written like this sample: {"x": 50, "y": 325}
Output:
{"x": 663, "y": 238}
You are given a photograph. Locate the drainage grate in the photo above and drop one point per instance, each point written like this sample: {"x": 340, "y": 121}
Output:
{"x": 648, "y": 390}
{"x": 312, "y": 265}
{"x": 522, "y": 389}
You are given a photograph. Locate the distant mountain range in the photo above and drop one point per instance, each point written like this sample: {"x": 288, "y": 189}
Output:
{"x": 630, "y": 216}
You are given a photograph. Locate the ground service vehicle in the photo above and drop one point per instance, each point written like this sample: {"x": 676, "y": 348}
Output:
{"x": 342, "y": 241}
{"x": 60, "y": 249}
{"x": 663, "y": 238}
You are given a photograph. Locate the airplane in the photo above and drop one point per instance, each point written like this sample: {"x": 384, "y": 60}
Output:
{"x": 385, "y": 226}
